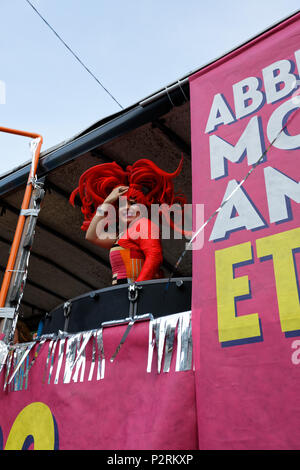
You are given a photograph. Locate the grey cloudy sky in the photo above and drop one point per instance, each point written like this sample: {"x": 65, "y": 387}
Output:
{"x": 134, "y": 47}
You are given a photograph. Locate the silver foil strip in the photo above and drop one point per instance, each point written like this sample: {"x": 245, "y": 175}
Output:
{"x": 71, "y": 349}
{"x": 93, "y": 357}
{"x": 162, "y": 334}
{"x": 48, "y": 359}
{"x": 169, "y": 342}
{"x": 52, "y": 359}
{"x": 79, "y": 362}
{"x": 60, "y": 339}
{"x": 22, "y": 352}
{"x": 15, "y": 361}
{"x": 17, "y": 383}
{"x": 161, "y": 329}
{"x": 164, "y": 326}
{"x": 26, "y": 371}
{"x": 3, "y": 354}
{"x": 184, "y": 342}
{"x": 157, "y": 330}
{"x": 8, "y": 366}
{"x": 34, "y": 359}
{"x": 151, "y": 343}
{"x": 101, "y": 357}
{"x": 20, "y": 378}
{"x": 49, "y": 336}
{"x": 60, "y": 358}
{"x": 81, "y": 358}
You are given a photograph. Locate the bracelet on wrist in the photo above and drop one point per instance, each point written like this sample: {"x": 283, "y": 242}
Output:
{"x": 101, "y": 210}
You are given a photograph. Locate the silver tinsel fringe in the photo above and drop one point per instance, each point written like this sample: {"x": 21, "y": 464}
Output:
{"x": 66, "y": 354}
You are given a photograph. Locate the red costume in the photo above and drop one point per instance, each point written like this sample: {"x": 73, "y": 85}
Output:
{"x": 132, "y": 258}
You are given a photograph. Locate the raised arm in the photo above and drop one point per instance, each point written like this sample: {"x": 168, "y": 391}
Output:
{"x": 96, "y": 232}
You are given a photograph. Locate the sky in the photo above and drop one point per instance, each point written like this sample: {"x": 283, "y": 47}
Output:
{"x": 133, "y": 47}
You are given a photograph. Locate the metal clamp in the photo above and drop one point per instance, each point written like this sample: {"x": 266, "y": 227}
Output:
{"x": 28, "y": 212}
{"x": 132, "y": 297}
{"x": 67, "y": 310}
{"x": 6, "y": 312}
{"x": 35, "y": 183}
{"x": 133, "y": 292}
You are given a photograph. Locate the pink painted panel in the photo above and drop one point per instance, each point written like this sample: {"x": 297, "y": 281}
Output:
{"x": 129, "y": 408}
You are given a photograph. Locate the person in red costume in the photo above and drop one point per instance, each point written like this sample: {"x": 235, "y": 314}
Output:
{"x": 136, "y": 251}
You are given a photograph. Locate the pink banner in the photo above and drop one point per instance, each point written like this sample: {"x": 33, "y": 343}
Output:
{"x": 125, "y": 404}
{"x": 246, "y": 315}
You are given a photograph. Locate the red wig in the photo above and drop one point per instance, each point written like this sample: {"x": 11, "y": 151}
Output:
{"x": 148, "y": 184}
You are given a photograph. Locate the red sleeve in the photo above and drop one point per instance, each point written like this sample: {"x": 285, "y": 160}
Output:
{"x": 149, "y": 243}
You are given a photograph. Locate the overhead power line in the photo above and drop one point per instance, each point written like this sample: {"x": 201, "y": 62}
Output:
{"x": 73, "y": 53}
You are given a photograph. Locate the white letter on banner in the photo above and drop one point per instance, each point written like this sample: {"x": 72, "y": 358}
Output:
{"x": 243, "y": 92}
{"x": 272, "y": 80}
{"x": 279, "y": 187}
{"x": 250, "y": 143}
{"x": 277, "y": 121}
{"x": 220, "y": 113}
{"x": 247, "y": 215}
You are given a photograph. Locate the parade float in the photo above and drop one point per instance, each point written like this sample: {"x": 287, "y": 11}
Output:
{"x": 206, "y": 357}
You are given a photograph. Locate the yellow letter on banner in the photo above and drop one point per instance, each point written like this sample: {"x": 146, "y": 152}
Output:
{"x": 280, "y": 246}
{"x": 34, "y": 420}
{"x": 231, "y": 327}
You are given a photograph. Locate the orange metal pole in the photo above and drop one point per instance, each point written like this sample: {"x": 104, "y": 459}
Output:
{"x": 21, "y": 221}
